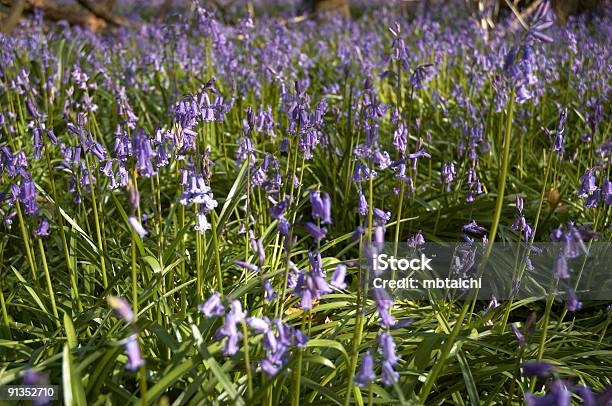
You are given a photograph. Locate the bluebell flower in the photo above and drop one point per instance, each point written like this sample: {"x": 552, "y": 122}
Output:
{"x": 339, "y": 276}
{"x": 387, "y": 348}
{"x": 541, "y": 369}
{"x": 588, "y": 183}
{"x": 278, "y": 210}
{"x": 35, "y": 378}
{"x": 132, "y": 348}
{"x": 400, "y": 138}
{"x": 381, "y": 217}
{"x": 572, "y": 304}
{"x": 588, "y": 398}
{"x": 137, "y": 227}
{"x": 269, "y": 291}
{"x": 558, "y": 395}
{"x": 122, "y": 308}
{"x": 247, "y": 265}
{"x": 383, "y": 305}
{"x": 473, "y": 228}
{"x": 229, "y": 329}
{"x": 362, "y": 204}
{"x": 260, "y": 325}
{"x": 321, "y": 206}
{"x": 318, "y": 233}
{"x": 213, "y": 306}
{"x": 43, "y": 228}
{"x": 202, "y": 224}
{"x": 606, "y": 190}
{"x": 389, "y": 375}
{"x": 365, "y": 374}
{"x": 448, "y": 174}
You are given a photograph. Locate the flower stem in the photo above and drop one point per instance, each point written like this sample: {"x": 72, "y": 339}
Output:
{"x": 503, "y": 174}
{"x": 43, "y": 257}
{"x": 26, "y": 241}
{"x": 94, "y": 204}
{"x": 213, "y": 222}
{"x": 247, "y": 359}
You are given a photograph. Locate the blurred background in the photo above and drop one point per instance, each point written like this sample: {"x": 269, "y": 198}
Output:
{"x": 100, "y": 15}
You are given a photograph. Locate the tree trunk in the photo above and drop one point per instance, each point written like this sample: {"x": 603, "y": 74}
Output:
{"x": 566, "y": 8}
{"x": 13, "y": 16}
{"x": 324, "y": 6}
{"x": 56, "y": 12}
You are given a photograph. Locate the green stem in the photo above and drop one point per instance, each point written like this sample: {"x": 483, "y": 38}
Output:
{"x": 247, "y": 359}
{"x": 43, "y": 257}
{"x": 94, "y": 204}
{"x": 502, "y": 176}
{"x": 432, "y": 377}
{"x": 134, "y": 277}
{"x": 213, "y": 222}
{"x": 26, "y": 241}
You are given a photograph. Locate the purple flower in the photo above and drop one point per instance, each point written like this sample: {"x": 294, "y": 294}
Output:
{"x": 572, "y": 304}
{"x": 400, "y": 138}
{"x": 213, "y": 306}
{"x": 381, "y": 217}
{"x": 122, "y": 308}
{"x": 519, "y": 336}
{"x": 43, "y": 228}
{"x": 277, "y": 210}
{"x": 362, "y": 204}
{"x": 144, "y": 154}
{"x": 317, "y": 233}
{"x": 588, "y": 399}
{"x": 258, "y": 324}
{"x": 540, "y": 369}
{"x": 558, "y": 395}
{"x": 257, "y": 246}
{"x": 132, "y": 348}
{"x": 269, "y": 291}
{"x": 28, "y": 196}
{"x": 35, "y": 378}
{"x": 588, "y": 183}
{"x": 416, "y": 240}
{"x": 198, "y": 192}
{"x": 606, "y": 190}
{"x": 387, "y": 348}
{"x": 383, "y": 305}
{"x": 560, "y": 267}
{"x": 229, "y": 329}
{"x": 247, "y": 265}
{"x": 448, "y": 174}
{"x": 338, "y": 277}
{"x": 32, "y": 377}
{"x": 560, "y": 131}
{"x": 311, "y": 285}
{"x": 202, "y": 224}
{"x": 283, "y": 227}
{"x": 321, "y": 206}
{"x": 473, "y": 228}
{"x": 137, "y": 227}
{"x": 389, "y": 375}
{"x": 366, "y": 374}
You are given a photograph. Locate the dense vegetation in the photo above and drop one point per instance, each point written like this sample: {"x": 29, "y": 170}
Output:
{"x": 183, "y": 206}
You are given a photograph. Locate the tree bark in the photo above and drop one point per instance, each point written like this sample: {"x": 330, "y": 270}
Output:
{"x": 324, "y": 6}
{"x": 100, "y": 11}
{"x": 13, "y": 16}
{"x": 58, "y": 12}
{"x": 163, "y": 10}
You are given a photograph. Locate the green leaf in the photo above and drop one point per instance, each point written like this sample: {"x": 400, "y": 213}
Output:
{"x": 70, "y": 333}
{"x": 72, "y": 386}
